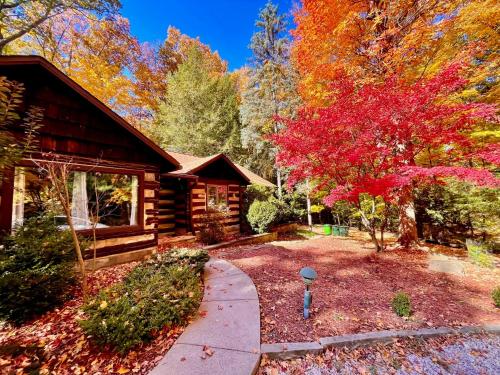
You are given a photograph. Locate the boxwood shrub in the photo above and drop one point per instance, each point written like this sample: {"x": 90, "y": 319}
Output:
{"x": 262, "y": 214}
{"x": 36, "y": 270}
{"x": 163, "y": 291}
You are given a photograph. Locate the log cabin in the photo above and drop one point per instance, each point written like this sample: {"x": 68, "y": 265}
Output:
{"x": 213, "y": 181}
{"x": 124, "y": 188}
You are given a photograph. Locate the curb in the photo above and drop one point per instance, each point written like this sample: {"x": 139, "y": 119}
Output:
{"x": 291, "y": 350}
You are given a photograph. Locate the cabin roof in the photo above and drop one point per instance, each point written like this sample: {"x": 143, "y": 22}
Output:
{"x": 55, "y": 72}
{"x": 191, "y": 164}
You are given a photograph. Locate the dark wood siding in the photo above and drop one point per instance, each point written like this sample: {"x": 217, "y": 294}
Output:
{"x": 199, "y": 202}
{"x": 79, "y": 132}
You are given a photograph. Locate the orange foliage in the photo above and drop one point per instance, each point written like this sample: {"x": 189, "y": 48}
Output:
{"x": 373, "y": 39}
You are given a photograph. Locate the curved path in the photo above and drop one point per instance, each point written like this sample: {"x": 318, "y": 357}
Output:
{"x": 225, "y": 338}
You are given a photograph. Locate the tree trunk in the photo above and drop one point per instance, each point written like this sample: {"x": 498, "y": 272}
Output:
{"x": 278, "y": 181}
{"x": 371, "y": 230}
{"x": 308, "y": 202}
{"x": 407, "y": 222}
{"x": 78, "y": 250}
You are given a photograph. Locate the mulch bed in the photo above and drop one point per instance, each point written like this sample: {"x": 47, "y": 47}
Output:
{"x": 354, "y": 288}
{"x": 454, "y": 354}
{"x": 55, "y": 343}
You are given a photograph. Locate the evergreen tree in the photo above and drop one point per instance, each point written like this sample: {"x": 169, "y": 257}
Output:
{"x": 270, "y": 93}
{"x": 200, "y": 113}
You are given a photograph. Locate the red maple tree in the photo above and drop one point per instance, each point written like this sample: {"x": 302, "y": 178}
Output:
{"x": 381, "y": 139}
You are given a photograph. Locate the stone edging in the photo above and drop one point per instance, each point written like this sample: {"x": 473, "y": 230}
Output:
{"x": 250, "y": 240}
{"x": 300, "y": 349}
{"x": 284, "y": 228}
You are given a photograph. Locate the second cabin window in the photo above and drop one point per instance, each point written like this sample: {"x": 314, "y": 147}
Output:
{"x": 217, "y": 196}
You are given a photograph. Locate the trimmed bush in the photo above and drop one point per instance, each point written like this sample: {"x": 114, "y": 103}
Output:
{"x": 163, "y": 291}
{"x": 496, "y": 296}
{"x": 479, "y": 254}
{"x": 401, "y": 304}
{"x": 212, "y": 226}
{"x": 261, "y": 215}
{"x": 36, "y": 270}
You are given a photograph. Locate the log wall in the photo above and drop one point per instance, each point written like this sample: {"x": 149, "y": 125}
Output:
{"x": 199, "y": 203}
{"x": 166, "y": 207}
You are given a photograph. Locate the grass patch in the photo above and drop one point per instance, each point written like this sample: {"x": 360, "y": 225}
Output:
{"x": 305, "y": 233}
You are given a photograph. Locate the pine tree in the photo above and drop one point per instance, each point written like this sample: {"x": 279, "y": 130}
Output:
{"x": 200, "y": 114}
{"x": 270, "y": 92}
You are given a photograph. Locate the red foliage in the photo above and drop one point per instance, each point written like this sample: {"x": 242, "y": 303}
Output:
{"x": 370, "y": 138}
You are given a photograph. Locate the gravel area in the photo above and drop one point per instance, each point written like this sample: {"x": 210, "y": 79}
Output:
{"x": 467, "y": 355}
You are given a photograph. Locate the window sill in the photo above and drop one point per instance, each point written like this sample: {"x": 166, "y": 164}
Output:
{"x": 101, "y": 232}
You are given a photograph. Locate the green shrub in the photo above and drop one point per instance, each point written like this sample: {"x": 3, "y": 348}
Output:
{"x": 292, "y": 208}
{"x": 479, "y": 254}
{"x": 211, "y": 225}
{"x": 157, "y": 293}
{"x": 261, "y": 215}
{"x": 36, "y": 270}
{"x": 401, "y": 304}
{"x": 496, "y": 296}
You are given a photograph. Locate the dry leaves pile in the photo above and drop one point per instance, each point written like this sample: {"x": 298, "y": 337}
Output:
{"x": 354, "y": 288}
{"x": 56, "y": 343}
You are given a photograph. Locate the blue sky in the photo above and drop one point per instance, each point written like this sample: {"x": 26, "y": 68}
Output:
{"x": 225, "y": 25}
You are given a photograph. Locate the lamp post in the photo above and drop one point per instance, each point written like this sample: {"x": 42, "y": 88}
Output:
{"x": 308, "y": 276}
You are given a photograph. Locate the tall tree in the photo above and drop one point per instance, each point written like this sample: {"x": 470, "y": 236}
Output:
{"x": 97, "y": 53}
{"x": 154, "y": 64}
{"x": 200, "y": 112}
{"x": 19, "y": 17}
{"x": 372, "y": 40}
{"x": 270, "y": 91}
{"x": 370, "y": 139}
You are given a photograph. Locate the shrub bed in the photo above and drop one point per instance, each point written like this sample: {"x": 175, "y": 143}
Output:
{"x": 36, "y": 270}
{"x": 163, "y": 291}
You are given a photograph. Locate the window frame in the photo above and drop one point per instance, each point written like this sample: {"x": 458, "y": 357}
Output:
{"x": 216, "y": 186}
{"x": 78, "y": 167}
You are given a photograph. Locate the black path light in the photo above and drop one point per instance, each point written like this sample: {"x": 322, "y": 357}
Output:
{"x": 308, "y": 276}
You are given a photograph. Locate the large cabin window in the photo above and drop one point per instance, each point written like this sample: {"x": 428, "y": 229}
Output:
{"x": 98, "y": 199}
{"x": 216, "y": 196}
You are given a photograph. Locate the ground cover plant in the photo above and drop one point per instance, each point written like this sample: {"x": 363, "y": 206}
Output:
{"x": 355, "y": 287}
{"x": 401, "y": 304}
{"x": 496, "y": 296}
{"x": 56, "y": 342}
{"x": 36, "y": 270}
{"x": 479, "y": 254}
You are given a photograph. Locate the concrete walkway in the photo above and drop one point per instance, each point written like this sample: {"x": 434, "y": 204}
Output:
{"x": 225, "y": 339}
